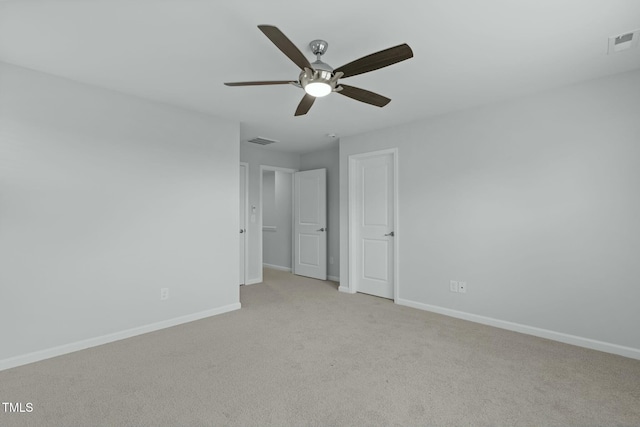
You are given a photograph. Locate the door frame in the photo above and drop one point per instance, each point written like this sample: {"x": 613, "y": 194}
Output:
{"x": 260, "y": 223}
{"x": 352, "y": 253}
{"x": 246, "y": 219}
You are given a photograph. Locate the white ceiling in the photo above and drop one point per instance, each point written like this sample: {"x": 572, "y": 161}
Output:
{"x": 466, "y": 53}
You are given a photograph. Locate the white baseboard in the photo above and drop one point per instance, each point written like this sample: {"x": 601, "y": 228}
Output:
{"x": 345, "y": 290}
{"x": 277, "y": 267}
{"x": 36, "y": 356}
{"x": 253, "y": 281}
{"x": 633, "y": 353}
{"x": 334, "y": 278}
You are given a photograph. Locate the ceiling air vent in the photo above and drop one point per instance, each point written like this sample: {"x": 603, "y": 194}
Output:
{"x": 262, "y": 141}
{"x": 623, "y": 41}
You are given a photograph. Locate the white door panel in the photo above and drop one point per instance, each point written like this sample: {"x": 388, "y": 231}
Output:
{"x": 310, "y": 223}
{"x": 309, "y": 190}
{"x": 309, "y": 249}
{"x": 375, "y": 194}
{"x": 372, "y": 251}
{"x": 374, "y": 214}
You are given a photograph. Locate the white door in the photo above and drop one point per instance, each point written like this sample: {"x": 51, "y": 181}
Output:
{"x": 310, "y": 224}
{"x": 374, "y": 225}
{"x": 243, "y": 222}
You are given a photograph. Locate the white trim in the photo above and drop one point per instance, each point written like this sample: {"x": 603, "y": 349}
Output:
{"x": 254, "y": 281}
{"x": 345, "y": 290}
{"x": 277, "y": 168}
{"x": 260, "y": 225}
{"x": 246, "y": 220}
{"x": 276, "y": 267}
{"x": 293, "y": 221}
{"x": 633, "y": 353}
{"x": 396, "y": 226}
{"x": 333, "y": 278}
{"x": 36, "y": 356}
{"x": 351, "y": 254}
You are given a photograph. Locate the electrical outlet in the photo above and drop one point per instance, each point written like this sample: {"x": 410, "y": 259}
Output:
{"x": 462, "y": 287}
{"x": 330, "y": 260}
{"x": 164, "y": 293}
{"x": 453, "y": 286}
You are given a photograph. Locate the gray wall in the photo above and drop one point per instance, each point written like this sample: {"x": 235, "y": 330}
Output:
{"x": 105, "y": 199}
{"x": 534, "y": 202}
{"x": 269, "y": 212}
{"x": 277, "y": 207}
{"x": 330, "y": 160}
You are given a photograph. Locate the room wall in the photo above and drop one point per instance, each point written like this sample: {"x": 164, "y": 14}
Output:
{"x": 105, "y": 199}
{"x": 534, "y": 202}
{"x": 277, "y": 215}
{"x": 269, "y": 213}
{"x": 256, "y": 156}
{"x": 330, "y": 160}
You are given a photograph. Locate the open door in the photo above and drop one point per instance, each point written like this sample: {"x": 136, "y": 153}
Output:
{"x": 310, "y": 224}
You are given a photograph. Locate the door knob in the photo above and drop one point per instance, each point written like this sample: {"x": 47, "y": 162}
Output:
{"x": 241, "y": 230}
{"x": 322, "y": 229}
{"x": 390, "y": 234}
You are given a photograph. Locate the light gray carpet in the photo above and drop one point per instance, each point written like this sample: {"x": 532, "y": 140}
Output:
{"x": 301, "y": 353}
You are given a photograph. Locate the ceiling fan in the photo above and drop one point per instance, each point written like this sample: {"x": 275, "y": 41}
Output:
{"x": 319, "y": 79}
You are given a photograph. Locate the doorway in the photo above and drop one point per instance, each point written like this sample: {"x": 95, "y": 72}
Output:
{"x": 293, "y": 220}
{"x": 276, "y": 217}
{"x": 373, "y": 223}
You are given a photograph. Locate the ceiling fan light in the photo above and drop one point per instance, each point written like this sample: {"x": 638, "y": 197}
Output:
{"x": 318, "y": 89}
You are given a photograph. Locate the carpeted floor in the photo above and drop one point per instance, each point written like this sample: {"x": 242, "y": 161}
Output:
{"x": 301, "y": 353}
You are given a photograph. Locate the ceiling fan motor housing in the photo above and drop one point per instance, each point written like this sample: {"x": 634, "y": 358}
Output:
{"x": 309, "y": 76}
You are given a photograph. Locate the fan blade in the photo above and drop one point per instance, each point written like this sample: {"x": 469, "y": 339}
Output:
{"x": 285, "y": 45}
{"x": 377, "y": 60}
{"x": 305, "y": 105}
{"x": 272, "y": 82}
{"x": 364, "y": 95}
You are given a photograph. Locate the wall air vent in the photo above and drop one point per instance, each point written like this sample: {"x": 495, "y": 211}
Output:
{"x": 623, "y": 41}
{"x": 262, "y": 141}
